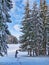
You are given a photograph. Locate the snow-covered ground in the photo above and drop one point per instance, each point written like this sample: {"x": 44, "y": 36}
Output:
{"x": 22, "y": 58}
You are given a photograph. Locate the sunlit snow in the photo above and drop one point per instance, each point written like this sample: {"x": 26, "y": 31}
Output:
{"x": 22, "y": 58}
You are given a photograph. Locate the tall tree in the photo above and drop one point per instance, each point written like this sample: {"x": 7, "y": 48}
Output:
{"x": 5, "y": 6}
{"x": 44, "y": 16}
{"x": 37, "y": 26}
{"x": 26, "y": 29}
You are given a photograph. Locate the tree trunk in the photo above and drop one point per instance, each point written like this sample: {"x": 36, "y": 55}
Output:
{"x": 33, "y": 52}
{"x": 48, "y": 52}
{"x": 30, "y": 52}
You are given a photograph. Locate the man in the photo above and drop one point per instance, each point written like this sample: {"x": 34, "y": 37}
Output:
{"x": 16, "y": 54}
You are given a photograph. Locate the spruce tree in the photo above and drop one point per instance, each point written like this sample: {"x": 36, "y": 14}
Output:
{"x": 5, "y": 6}
{"x": 37, "y": 26}
{"x": 45, "y": 17}
{"x": 26, "y": 29}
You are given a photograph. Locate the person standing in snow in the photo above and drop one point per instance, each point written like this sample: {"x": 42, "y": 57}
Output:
{"x": 16, "y": 54}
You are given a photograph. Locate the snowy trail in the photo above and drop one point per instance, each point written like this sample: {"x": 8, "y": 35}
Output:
{"x": 22, "y": 58}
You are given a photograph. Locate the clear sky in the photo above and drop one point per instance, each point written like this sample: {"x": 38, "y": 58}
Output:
{"x": 16, "y": 16}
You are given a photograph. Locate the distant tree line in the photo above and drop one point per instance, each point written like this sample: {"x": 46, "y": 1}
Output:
{"x": 12, "y": 39}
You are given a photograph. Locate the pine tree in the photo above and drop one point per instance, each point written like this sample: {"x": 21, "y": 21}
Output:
{"x": 26, "y": 29}
{"x": 44, "y": 16}
{"x": 5, "y": 6}
{"x": 47, "y": 29}
{"x": 37, "y": 27}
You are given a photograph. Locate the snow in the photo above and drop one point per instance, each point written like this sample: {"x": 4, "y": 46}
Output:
{"x": 12, "y": 49}
{"x": 22, "y": 58}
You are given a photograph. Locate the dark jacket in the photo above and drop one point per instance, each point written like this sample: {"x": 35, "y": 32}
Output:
{"x": 16, "y": 53}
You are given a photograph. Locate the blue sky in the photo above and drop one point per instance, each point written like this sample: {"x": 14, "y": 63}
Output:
{"x": 16, "y": 16}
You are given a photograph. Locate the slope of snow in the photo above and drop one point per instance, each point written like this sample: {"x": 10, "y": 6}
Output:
{"x": 22, "y": 58}
{"x": 12, "y": 49}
